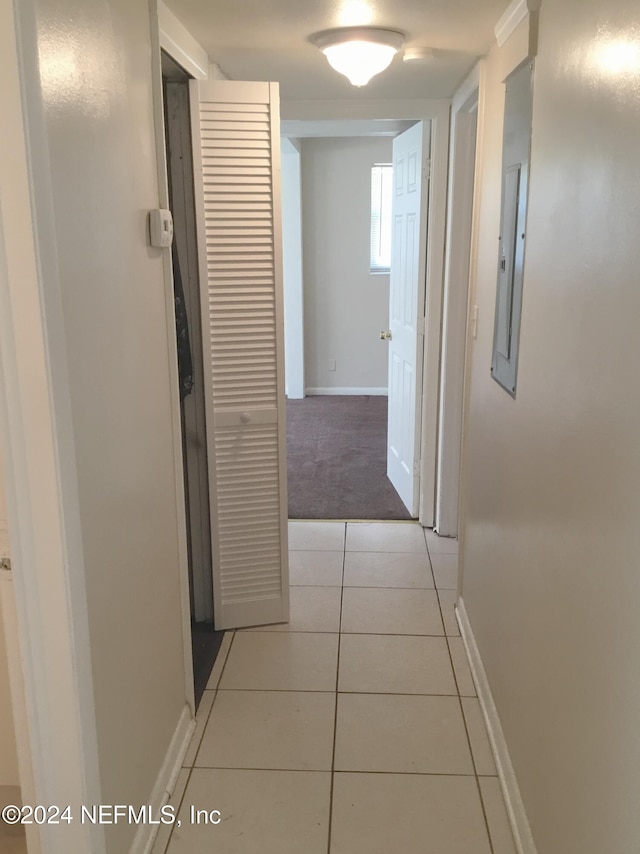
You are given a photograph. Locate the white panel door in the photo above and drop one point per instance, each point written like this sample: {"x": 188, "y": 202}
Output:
{"x": 406, "y": 310}
{"x": 236, "y": 133}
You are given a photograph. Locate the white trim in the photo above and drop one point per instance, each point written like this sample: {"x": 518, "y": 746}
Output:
{"x": 216, "y": 73}
{"x": 374, "y": 392}
{"x": 292, "y": 272}
{"x": 39, "y": 454}
{"x": 274, "y": 97}
{"x": 437, "y": 111}
{"x": 165, "y": 781}
{"x": 433, "y": 310}
{"x": 466, "y": 91}
{"x": 177, "y": 41}
{"x": 513, "y": 16}
{"x": 461, "y": 192}
{"x": 290, "y": 144}
{"x": 475, "y": 248}
{"x": 344, "y": 128}
{"x": 508, "y": 782}
{"x": 409, "y": 108}
{"x": 18, "y": 703}
{"x": 178, "y": 459}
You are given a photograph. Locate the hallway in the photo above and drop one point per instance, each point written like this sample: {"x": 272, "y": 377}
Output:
{"x": 402, "y": 763}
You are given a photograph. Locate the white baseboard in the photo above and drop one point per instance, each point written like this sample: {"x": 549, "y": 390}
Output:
{"x": 166, "y": 780}
{"x": 378, "y": 392}
{"x": 511, "y": 791}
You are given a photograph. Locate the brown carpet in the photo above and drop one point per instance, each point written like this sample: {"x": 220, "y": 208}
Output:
{"x": 337, "y": 450}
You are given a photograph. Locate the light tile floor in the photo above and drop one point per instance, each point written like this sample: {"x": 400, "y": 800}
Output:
{"x": 354, "y": 729}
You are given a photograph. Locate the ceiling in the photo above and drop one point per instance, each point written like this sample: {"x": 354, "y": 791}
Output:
{"x": 269, "y": 40}
{"x": 343, "y": 127}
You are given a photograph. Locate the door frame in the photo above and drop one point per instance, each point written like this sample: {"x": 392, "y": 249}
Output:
{"x": 192, "y": 408}
{"x": 437, "y": 112}
{"x": 168, "y": 34}
{"x": 291, "y": 156}
{"x": 462, "y": 192}
{"x": 59, "y": 739}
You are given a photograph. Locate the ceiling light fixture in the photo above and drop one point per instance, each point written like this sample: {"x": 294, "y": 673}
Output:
{"x": 359, "y": 52}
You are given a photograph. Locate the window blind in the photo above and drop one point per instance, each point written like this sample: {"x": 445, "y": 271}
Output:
{"x": 380, "y": 243}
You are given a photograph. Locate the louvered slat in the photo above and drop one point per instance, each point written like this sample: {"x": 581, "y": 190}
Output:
{"x": 250, "y": 544}
{"x": 237, "y": 126}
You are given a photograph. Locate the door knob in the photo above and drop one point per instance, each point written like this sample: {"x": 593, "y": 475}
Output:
{"x": 385, "y": 335}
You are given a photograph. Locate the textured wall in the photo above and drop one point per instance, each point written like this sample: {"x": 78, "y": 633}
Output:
{"x": 8, "y": 757}
{"x": 552, "y": 540}
{"x": 95, "y": 59}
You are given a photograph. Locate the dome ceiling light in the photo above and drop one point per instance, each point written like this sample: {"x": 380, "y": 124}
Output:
{"x": 359, "y": 52}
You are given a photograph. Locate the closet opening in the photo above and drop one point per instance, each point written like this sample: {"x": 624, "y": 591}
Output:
{"x": 205, "y": 640}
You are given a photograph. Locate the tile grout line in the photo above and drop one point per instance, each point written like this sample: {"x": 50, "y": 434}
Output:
{"x": 438, "y": 592}
{"x": 473, "y": 759}
{"x": 368, "y": 587}
{"x": 482, "y": 806}
{"x": 433, "y": 576}
{"x": 464, "y": 719}
{"x": 335, "y": 715}
{"x": 204, "y": 729}
{"x": 355, "y": 693}
{"x": 178, "y": 808}
{"x": 190, "y": 769}
{"x": 257, "y": 631}
{"x": 217, "y": 688}
{"x": 340, "y": 771}
{"x": 475, "y": 769}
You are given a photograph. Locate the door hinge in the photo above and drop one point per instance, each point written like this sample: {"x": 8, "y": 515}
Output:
{"x": 421, "y": 326}
{"x": 416, "y": 467}
{"x": 426, "y": 169}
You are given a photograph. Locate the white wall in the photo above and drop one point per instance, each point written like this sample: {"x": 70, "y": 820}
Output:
{"x": 8, "y": 755}
{"x": 345, "y": 306}
{"x": 9, "y": 775}
{"x": 551, "y": 538}
{"x": 292, "y": 268}
{"x": 460, "y": 207}
{"x": 4, "y": 533}
{"x": 96, "y": 80}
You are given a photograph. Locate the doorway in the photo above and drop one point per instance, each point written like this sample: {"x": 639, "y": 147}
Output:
{"x": 342, "y": 443}
{"x": 459, "y": 317}
{"x": 205, "y": 640}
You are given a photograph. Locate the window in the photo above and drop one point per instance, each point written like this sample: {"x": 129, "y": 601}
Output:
{"x": 381, "y": 194}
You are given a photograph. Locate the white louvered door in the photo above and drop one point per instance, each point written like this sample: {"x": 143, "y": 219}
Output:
{"x": 236, "y": 135}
